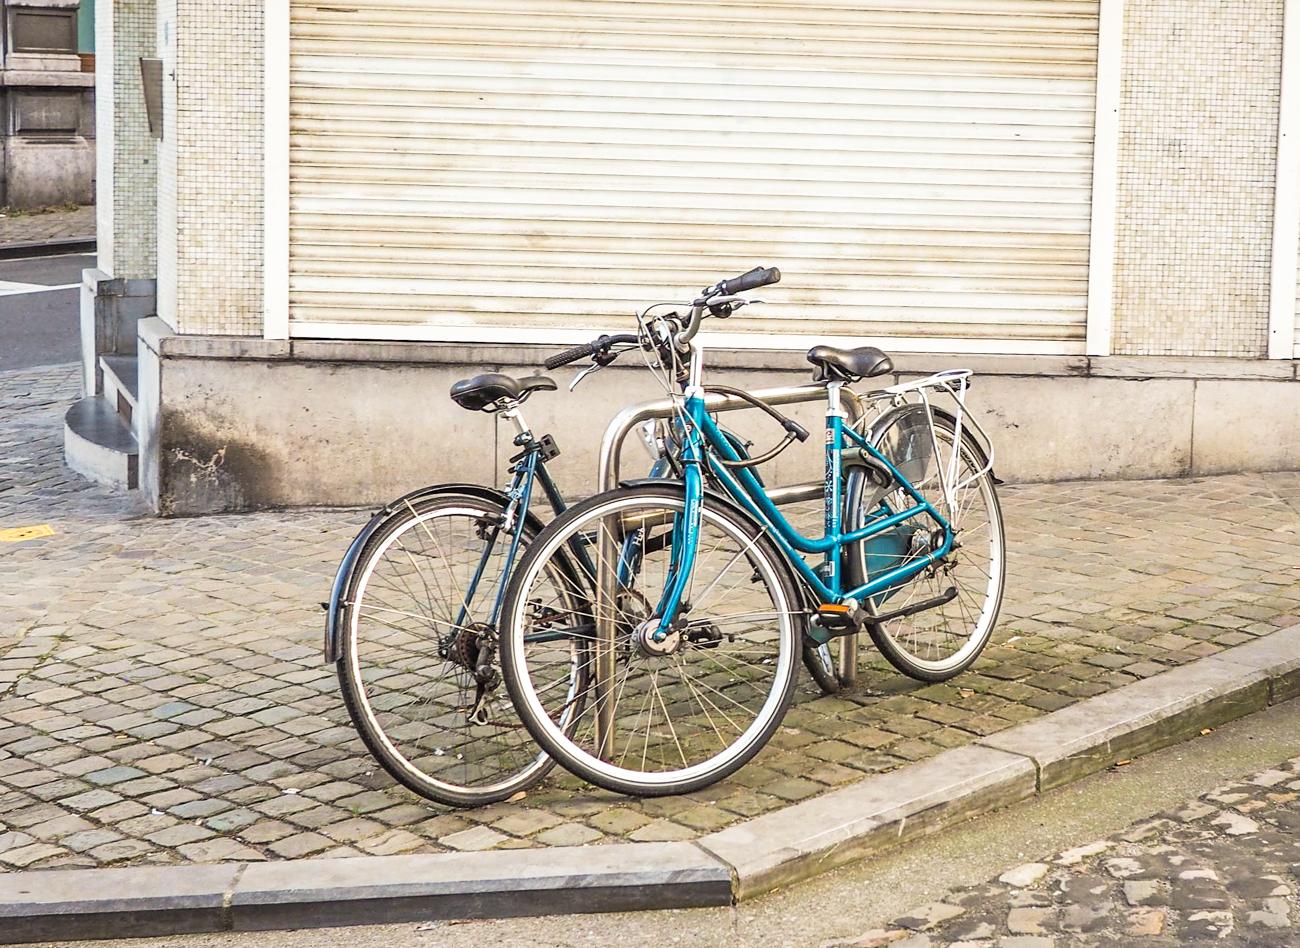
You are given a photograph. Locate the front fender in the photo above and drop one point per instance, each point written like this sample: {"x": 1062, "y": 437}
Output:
{"x": 343, "y": 578}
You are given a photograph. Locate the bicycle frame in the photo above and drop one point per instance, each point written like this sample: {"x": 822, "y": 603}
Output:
{"x": 704, "y": 444}
{"x": 529, "y": 467}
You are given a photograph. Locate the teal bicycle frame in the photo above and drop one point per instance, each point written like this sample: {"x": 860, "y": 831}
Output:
{"x": 704, "y": 444}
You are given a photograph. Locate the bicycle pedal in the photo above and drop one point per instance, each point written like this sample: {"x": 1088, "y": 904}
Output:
{"x": 836, "y": 618}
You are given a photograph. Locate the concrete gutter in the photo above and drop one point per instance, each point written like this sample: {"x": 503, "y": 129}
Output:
{"x": 47, "y": 248}
{"x": 734, "y": 864}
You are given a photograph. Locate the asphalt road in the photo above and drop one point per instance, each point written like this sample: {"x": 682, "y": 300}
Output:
{"x": 40, "y": 326}
{"x": 837, "y": 908}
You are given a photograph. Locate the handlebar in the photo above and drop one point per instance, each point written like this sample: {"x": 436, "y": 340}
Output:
{"x": 752, "y": 280}
{"x": 759, "y": 276}
{"x": 594, "y": 347}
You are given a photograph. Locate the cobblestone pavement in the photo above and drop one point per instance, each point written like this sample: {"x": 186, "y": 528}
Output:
{"x": 1222, "y": 869}
{"x": 21, "y": 227}
{"x": 162, "y": 697}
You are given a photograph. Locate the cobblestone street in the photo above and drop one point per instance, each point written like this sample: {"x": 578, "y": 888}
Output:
{"x": 1221, "y": 869}
{"x": 22, "y": 227}
{"x": 162, "y": 696}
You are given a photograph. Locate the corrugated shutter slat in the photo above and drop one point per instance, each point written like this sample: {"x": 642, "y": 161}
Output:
{"x": 921, "y": 172}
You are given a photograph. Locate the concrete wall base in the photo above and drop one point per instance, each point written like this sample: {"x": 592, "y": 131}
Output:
{"x": 235, "y": 423}
{"x": 47, "y": 173}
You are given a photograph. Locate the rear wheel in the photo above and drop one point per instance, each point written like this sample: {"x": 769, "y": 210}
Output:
{"x": 940, "y": 642}
{"x": 417, "y": 626}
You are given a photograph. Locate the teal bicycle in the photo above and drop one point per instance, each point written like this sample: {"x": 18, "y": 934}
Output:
{"x": 700, "y": 596}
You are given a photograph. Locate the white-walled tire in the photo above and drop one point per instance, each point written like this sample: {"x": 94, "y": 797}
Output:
{"x": 939, "y": 643}
{"x": 409, "y": 701}
{"x": 684, "y": 719}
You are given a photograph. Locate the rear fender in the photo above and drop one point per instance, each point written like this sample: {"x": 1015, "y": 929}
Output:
{"x": 343, "y": 579}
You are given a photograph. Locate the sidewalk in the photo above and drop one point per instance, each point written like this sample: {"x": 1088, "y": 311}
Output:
{"x": 1220, "y": 868}
{"x": 162, "y": 698}
{"x": 24, "y": 227}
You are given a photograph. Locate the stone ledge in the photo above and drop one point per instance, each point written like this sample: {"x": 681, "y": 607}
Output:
{"x": 47, "y": 78}
{"x": 315, "y": 893}
{"x": 827, "y": 831}
{"x": 908, "y": 364}
{"x": 56, "y": 905}
{"x": 1156, "y": 712}
{"x": 1277, "y": 656}
{"x": 1173, "y": 367}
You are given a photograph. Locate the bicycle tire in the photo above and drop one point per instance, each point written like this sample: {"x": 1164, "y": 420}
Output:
{"x": 573, "y": 749}
{"x": 417, "y": 751}
{"x": 975, "y": 607}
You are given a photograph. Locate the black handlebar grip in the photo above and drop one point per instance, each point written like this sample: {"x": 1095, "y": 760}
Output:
{"x": 573, "y": 355}
{"x": 759, "y": 276}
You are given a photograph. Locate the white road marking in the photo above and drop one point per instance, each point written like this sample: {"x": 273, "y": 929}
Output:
{"x": 22, "y": 289}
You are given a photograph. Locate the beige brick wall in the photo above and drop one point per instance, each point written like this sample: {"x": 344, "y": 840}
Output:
{"x": 210, "y": 194}
{"x": 126, "y": 162}
{"x": 1198, "y": 140}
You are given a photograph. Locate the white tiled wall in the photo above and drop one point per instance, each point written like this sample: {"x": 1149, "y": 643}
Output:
{"x": 1197, "y": 151}
{"x": 126, "y": 161}
{"x": 167, "y": 166}
{"x": 210, "y": 194}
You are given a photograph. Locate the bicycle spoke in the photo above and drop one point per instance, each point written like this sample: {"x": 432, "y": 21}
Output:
{"x": 414, "y": 688}
{"x": 944, "y": 638}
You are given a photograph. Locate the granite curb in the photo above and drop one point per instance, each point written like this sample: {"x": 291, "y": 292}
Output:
{"x": 733, "y": 864}
{"x": 21, "y": 250}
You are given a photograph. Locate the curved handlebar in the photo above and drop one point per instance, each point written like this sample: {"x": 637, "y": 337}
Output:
{"x": 599, "y": 347}
{"x": 759, "y": 276}
{"x": 594, "y": 347}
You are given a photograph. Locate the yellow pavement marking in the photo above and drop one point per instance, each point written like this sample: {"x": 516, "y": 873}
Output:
{"x": 19, "y": 534}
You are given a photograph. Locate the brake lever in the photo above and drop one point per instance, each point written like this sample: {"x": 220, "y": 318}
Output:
{"x": 728, "y": 305}
{"x": 577, "y": 379}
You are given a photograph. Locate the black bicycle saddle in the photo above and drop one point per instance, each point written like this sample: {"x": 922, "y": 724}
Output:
{"x": 494, "y": 391}
{"x": 849, "y": 365}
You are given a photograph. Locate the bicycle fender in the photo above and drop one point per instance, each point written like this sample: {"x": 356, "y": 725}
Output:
{"x": 896, "y": 414}
{"x": 343, "y": 578}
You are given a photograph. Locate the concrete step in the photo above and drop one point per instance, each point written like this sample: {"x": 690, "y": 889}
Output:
{"x": 121, "y": 384}
{"x": 100, "y": 445}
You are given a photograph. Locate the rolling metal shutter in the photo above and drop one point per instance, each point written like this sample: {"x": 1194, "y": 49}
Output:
{"x": 533, "y": 169}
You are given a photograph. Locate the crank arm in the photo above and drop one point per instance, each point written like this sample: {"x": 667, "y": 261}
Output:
{"x": 852, "y": 624}
{"x": 948, "y": 596}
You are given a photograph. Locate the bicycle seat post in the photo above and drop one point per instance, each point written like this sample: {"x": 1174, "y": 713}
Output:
{"x": 512, "y": 410}
{"x": 834, "y": 406}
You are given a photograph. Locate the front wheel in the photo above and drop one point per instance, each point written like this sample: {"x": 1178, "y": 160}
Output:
{"x": 675, "y": 715}
{"x": 941, "y": 642}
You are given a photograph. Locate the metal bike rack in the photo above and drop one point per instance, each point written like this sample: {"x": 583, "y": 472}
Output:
{"x": 609, "y": 476}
